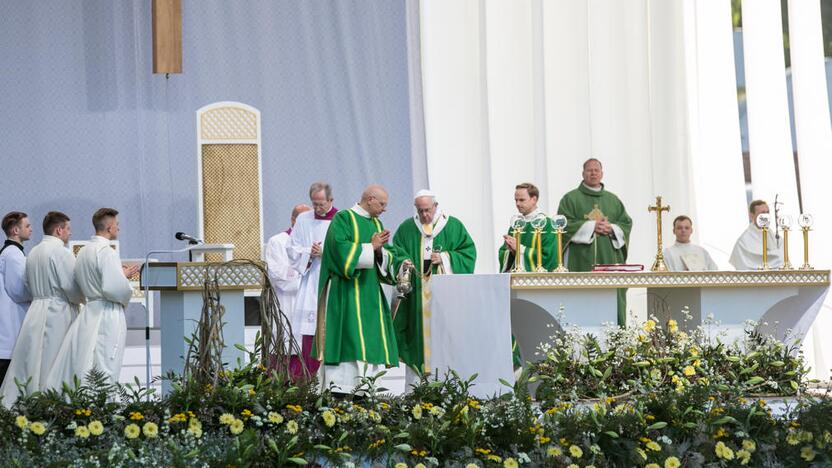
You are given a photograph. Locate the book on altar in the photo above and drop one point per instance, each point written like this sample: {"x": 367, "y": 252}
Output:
{"x": 618, "y": 267}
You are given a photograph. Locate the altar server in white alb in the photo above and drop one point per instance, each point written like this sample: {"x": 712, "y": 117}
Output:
{"x": 285, "y": 280}
{"x": 748, "y": 251}
{"x": 96, "y": 339}
{"x": 685, "y": 255}
{"x": 14, "y": 294}
{"x": 305, "y": 249}
{"x": 50, "y": 273}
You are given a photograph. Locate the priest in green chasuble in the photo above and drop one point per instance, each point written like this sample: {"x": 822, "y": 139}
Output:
{"x": 598, "y": 227}
{"x": 355, "y": 335}
{"x": 526, "y": 196}
{"x": 440, "y": 244}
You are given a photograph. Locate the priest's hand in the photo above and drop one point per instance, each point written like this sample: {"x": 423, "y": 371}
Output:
{"x": 603, "y": 227}
{"x": 130, "y": 270}
{"x": 435, "y": 259}
{"x": 316, "y": 249}
{"x": 511, "y": 242}
{"x": 380, "y": 238}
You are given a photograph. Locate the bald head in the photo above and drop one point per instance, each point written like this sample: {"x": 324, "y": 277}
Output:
{"x": 374, "y": 200}
{"x": 298, "y": 209}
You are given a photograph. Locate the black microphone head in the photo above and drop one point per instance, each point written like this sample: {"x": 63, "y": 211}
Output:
{"x": 179, "y": 235}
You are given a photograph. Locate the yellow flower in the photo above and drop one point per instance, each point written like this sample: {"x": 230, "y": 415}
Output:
{"x": 652, "y": 465}
{"x": 275, "y": 418}
{"x": 292, "y": 427}
{"x": 21, "y": 422}
{"x": 131, "y": 431}
{"x": 150, "y": 430}
{"x": 246, "y": 413}
{"x": 653, "y": 446}
{"x": 590, "y": 466}
{"x": 495, "y": 458}
{"x": 38, "y": 428}
{"x": 251, "y": 392}
{"x": 136, "y": 416}
{"x": 329, "y": 418}
{"x": 720, "y": 433}
{"x": 672, "y": 326}
{"x": 404, "y": 465}
{"x": 573, "y": 466}
{"x": 694, "y": 351}
{"x": 744, "y": 456}
{"x": 420, "y": 465}
{"x": 96, "y": 428}
{"x": 196, "y": 431}
{"x": 82, "y": 432}
{"x": 749, "y": 445}
{"x": 576, "y": 451}
{"x": 554, "y": 452}
{"x": 470, "y": 465}
{"x": 510, "y": 463}
{"x": 194, "y": 422}
{"x": 723, "y": 451}
{"x": 641, "y": 453}
{"x": 416, "y": 412}
{"x": 227, "y": 418}
{"x": 649, "y": 326}
{"x": 295, "y": 408}
{"x": 236, "y": 426}
{"x": 792, "y": 438}
{"x": 672, "y": 462}
{"x": 689, "y": 371}
{"x": 807, "y": 453}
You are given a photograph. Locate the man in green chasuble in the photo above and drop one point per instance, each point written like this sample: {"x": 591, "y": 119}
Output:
{"x": 598, "y": 227}
{"x": 439, "y": 244}
{"x": 355, "y": 335}
{"x": 526, "y": 196}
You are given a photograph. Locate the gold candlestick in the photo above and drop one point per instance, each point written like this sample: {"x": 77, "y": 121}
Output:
{"x": 559, "y": 223}
{"x": 805, "y": 265}
{"x": 659, "y": 264}
{"x": 765, "y": 248}
{"x": 518, "y": 261}
{"x": 787, "y": 265}
{"x": 538, "y": 235}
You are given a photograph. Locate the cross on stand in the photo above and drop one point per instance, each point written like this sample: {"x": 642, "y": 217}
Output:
{"x": 659, "y": 264}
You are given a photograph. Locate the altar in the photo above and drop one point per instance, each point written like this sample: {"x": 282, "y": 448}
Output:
{"x": 473, "y": 317}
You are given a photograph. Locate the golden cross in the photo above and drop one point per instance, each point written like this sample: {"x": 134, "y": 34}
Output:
{"x": 659, "y": 265}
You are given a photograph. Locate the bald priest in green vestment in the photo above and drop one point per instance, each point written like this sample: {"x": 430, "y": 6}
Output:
{"x": 526, "y": 196}
{"x": 355, "y": 335}
{"x": 440, "y": 244}
{"x": 598, "y": 227}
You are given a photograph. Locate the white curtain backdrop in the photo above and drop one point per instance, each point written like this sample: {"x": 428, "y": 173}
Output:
{"x": 814, "y": 146}
{"x": 526, "y": 91}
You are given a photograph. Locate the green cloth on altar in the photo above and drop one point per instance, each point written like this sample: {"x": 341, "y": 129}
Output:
{"x": 548, "y": 251}
{"x": 583, "y": 205}
{"x": 451, "y": 240}
{"x": 354, "y": 322}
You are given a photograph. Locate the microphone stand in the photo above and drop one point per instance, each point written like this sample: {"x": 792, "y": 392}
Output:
{"x": 145, "y": 268}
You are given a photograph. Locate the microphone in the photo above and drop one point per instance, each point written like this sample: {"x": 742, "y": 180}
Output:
{"x": 777, "y": 219}
{"x": 191, "y": 239}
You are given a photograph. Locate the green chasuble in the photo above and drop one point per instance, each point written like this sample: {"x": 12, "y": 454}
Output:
{"x": 549, "y": 255}
{"x": 354, "y": 322}
{"x": 582, "y": 208}
{"x": 449, "y": 238}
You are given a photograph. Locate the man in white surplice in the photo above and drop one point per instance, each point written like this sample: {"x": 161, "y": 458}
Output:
{"x": 305, "y": 248}
{"x": 51, "y": 278}
{"x": 685, "y": 255}
{"x": 14, "y": 294}
{"x": 95, "y": 340}
{"x": 284, "y": 279}
{"x": 748, "y": 251}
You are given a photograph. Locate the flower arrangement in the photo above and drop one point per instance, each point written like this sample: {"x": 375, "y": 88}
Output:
{"x": 688, "y": 406}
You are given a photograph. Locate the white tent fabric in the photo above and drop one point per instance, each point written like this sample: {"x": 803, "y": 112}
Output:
{"x": 769, "y": 137}
{"x": 814, "y": 147}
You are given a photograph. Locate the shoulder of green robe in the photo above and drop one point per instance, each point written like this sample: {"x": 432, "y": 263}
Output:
{"x": 406, "y": 225}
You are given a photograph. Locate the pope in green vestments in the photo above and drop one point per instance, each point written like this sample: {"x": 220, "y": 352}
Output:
{"x": 525, "y": 199}
{"x": 355, "y": 335}
{"x": 598, "y": 227}
{"x": 439, "y": 244}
